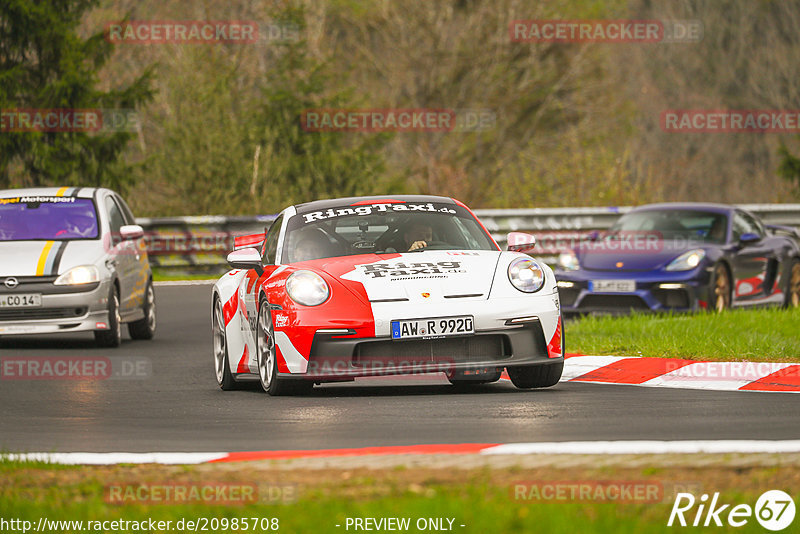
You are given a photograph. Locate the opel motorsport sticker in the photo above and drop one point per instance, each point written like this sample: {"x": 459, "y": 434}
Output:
{"x": 37, "y": 199}
{"x": 427, "y": 207}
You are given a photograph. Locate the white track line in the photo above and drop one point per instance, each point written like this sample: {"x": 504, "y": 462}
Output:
{"x": 562, "y": 447}
{"x": 186, "y": 282}
{"x": 647, "y": 447}
{"x": 110, "y": 458}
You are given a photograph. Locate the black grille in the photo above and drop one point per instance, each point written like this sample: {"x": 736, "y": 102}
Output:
{"x": 454, "y": 350}
{"x": 672, "y": 298}
{"x": 568, "y": 296}
{"x": 41, "y": 313}
{"x": 42, "y": 284}
{"x": 618, "y": 302}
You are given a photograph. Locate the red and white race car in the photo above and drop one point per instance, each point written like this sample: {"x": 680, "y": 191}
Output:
{"x": 367, "y": 286}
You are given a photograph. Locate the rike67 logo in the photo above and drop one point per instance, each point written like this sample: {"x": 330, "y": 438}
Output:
{"x": 774, "y": 510}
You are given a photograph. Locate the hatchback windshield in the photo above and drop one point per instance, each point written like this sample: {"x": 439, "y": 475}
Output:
{"x": 47, "y": 218}
{"x": 686, "y": 224}
{"x": 382, "y": 229}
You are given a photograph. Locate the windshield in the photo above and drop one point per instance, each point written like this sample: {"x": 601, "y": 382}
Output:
{"x": 670, "y": 224}
{"x": 382, "y": 229}
{"x": 28, "y": 218}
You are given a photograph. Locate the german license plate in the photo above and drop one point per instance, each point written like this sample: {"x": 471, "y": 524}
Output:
{"x": 433, "y": 327}
{"x": 613, "y": 286}
{"x": 23, "y": 300}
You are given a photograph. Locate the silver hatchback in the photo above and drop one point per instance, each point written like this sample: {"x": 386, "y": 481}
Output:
{"x": 72, "y": 259}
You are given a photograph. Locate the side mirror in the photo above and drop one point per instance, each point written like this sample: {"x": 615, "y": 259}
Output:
{"x": 520, "y": 242}
{"x": 749, "y": 238}
{"x": 246, "y": 258}
{"x": 130, "y": 232}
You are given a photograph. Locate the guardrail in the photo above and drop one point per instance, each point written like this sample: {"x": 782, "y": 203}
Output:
{"x": 199, "y": 244}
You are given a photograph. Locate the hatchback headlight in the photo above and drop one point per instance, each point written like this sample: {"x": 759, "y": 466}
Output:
{"x": 687, "y": 261}
{"x": 83, "y": 274}
{"x": 526, "y": 275}
{"x": 307, "y": 288}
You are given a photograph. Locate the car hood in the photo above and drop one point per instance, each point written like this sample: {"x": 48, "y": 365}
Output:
{"x": 46, "y": 258}
{"x": 433, "y": 274}
{"x": 602, "y": 256}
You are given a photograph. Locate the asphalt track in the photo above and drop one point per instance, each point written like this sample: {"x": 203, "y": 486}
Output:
{"x": 172, "y": 403}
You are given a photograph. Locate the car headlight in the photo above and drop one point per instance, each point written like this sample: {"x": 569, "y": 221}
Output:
{"x": 82, "y": 274}
{"x": 687, "y": 261}
{"x": 568, "y": 261}
{"x": 307, "y": 288}
{"x": 526, "y": 275}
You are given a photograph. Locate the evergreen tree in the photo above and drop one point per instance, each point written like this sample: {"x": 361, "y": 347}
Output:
{"x": 45, "y": 64}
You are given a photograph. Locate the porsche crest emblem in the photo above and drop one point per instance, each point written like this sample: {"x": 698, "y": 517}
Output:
{"x": 426, "y": 295}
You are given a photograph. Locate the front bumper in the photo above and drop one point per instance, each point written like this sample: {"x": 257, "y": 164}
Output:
{"x": 340, "y": 358}
{"x": 63, "y": 310}
{"x": 655, "y": 292}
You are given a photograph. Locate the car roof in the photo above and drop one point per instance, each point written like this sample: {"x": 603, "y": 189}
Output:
{"x": 317, "y": 205}
{"x": 78, "y": 192}
{"x": 687, "y": 206}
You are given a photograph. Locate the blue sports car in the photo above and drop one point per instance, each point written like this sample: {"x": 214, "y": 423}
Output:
{"x": 682, "y": 257}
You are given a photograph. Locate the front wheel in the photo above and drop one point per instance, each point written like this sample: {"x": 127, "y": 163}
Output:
{"x": 268, "y": 361}
{"x": 793, "y": 291}
{"x": 113, "y": 336}
{"x": 536, "y": 376}
{"x": 222, "y": 366}
{"x": 721, "y": 288}
{"x": 145, "y": 328}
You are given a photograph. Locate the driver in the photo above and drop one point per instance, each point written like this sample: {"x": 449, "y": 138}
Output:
{"x": 77, "y": 226}
{"x": 312, "y": 245}
{"x": 418, "y": 235}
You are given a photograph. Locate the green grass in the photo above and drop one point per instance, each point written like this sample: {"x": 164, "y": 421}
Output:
{"x": 770, "y": 335}
{"x": 171, "y": 275}
{"x": 482, "y": 501}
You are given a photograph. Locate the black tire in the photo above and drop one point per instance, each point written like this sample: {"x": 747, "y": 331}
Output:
{"x": 536, "y": 376}
{"x": 793, "y": 286}
{"x": 458, "y": 378}
{"x": 720, "y": 289}
{"x": 222, "y": 365}
{"x": 145, "y": 328}
{"x": 113, "y": 336}
{"x": 268, "y": 360}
